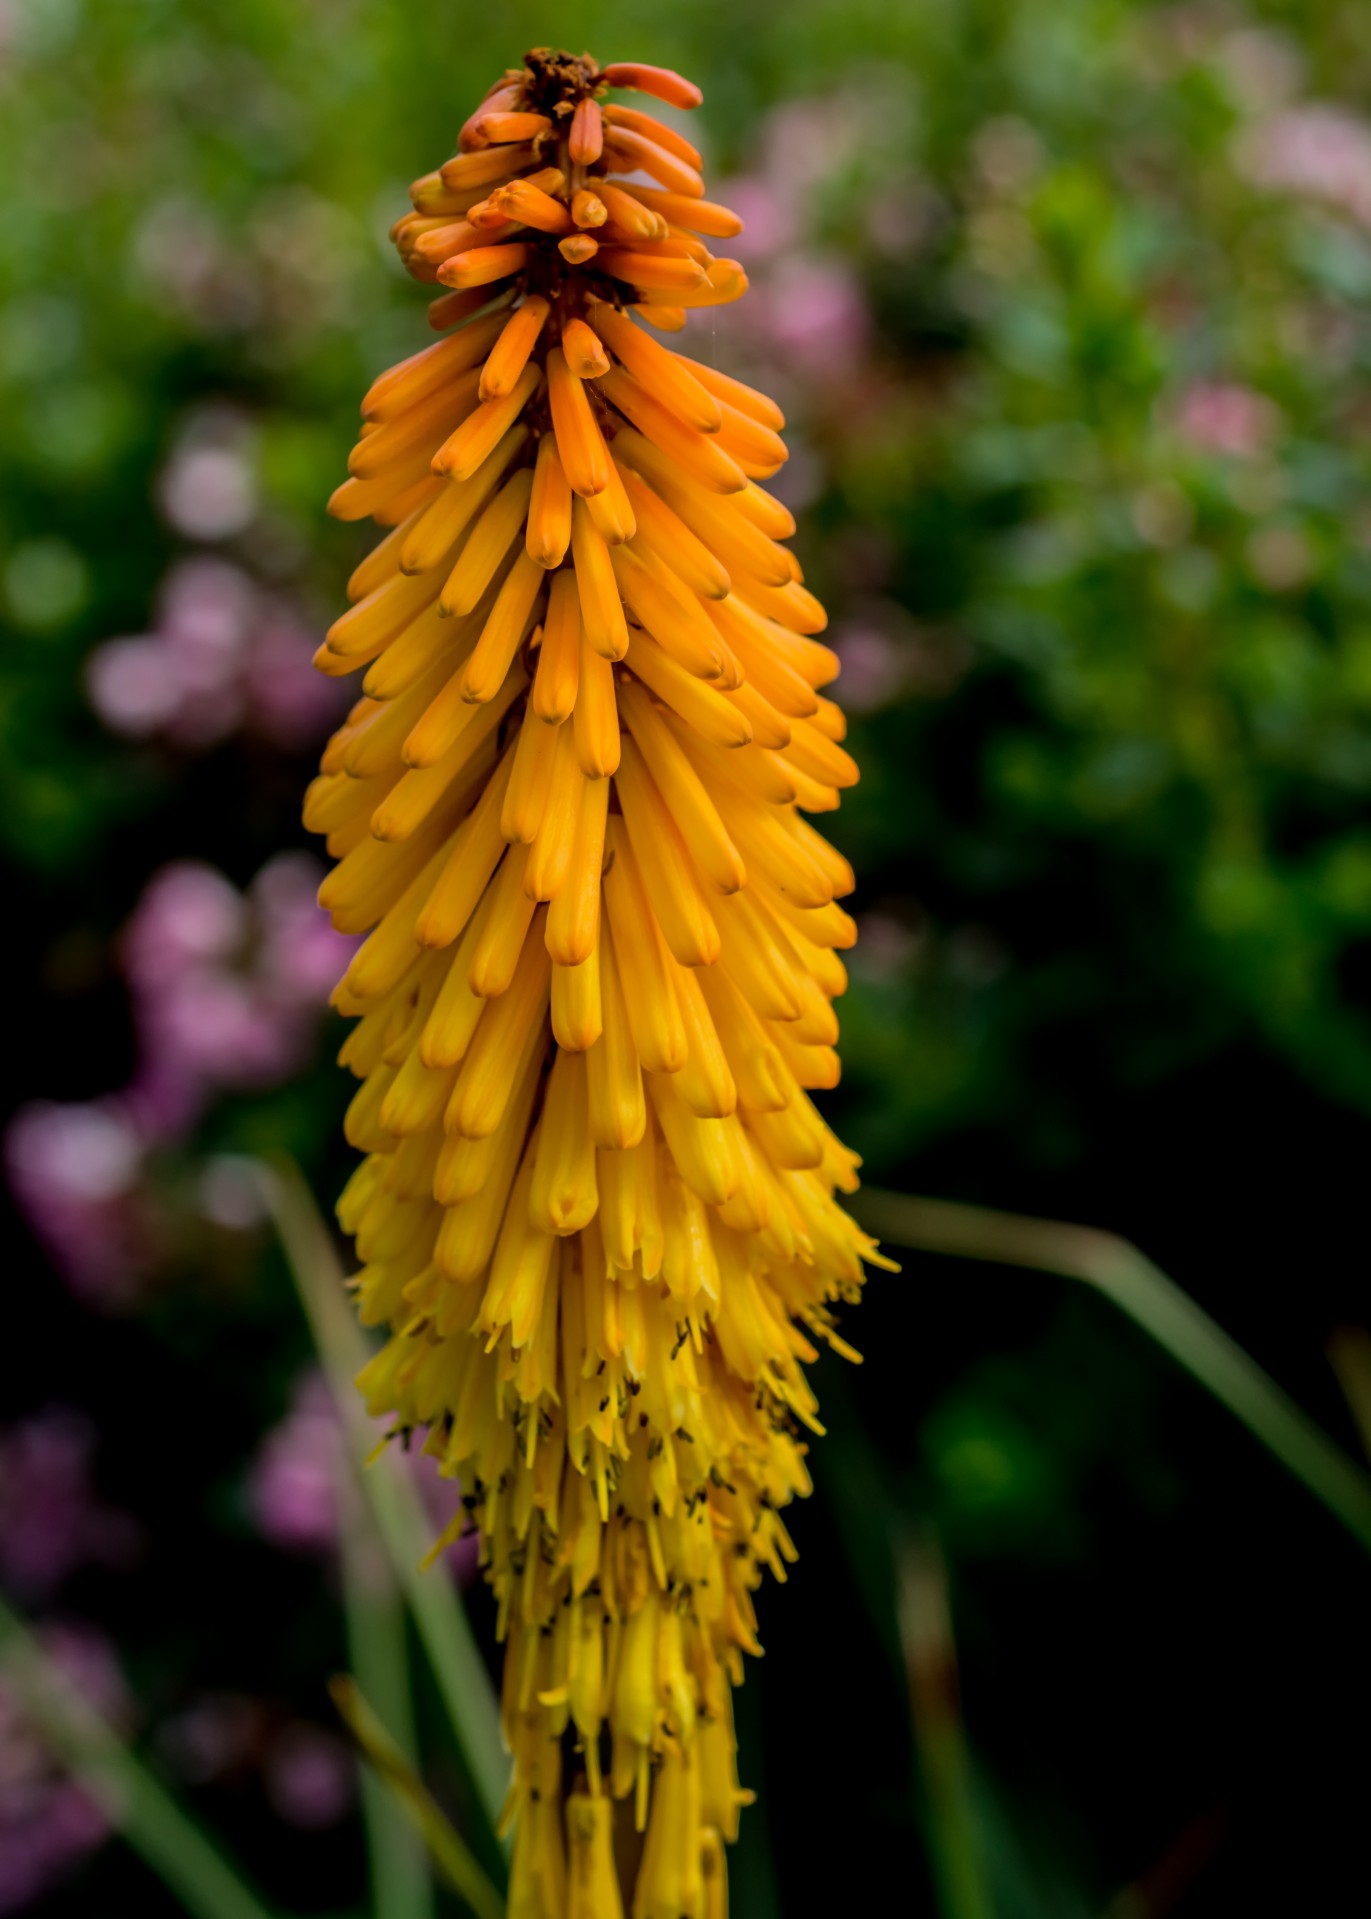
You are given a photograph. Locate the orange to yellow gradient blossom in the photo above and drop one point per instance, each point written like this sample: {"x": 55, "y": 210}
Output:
{"x": 596, "y": 1211}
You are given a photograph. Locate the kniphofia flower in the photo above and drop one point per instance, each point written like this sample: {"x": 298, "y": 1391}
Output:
{"x": 597, "y": 1207}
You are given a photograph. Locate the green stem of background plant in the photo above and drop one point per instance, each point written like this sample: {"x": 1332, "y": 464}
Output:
{"x": 1124, "y": 1275}
{"x": 379, "y": 1659}
{"x": 449, "y": 1644}
{"x": 407, "y": 1791}
{"x": 930, "y": 1656}
{"x": 144, "y": 1812}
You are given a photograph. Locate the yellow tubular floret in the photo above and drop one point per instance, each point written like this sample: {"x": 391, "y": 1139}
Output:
{"x": 597, "y": 1206}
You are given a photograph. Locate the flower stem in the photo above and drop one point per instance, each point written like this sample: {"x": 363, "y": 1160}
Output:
{"x": 400, "y": 1882}
{"x": 463, "y": 1682}
{"x": 930, "y": 1657}
{"x": 1125, "y": 1276}
{"x": 159, "y": 1831}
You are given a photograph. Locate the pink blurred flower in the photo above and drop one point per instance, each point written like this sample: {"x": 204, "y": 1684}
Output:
{"x": 216, "y": 1734}
{"x": 208, "y": 493}
{"x": 50, "y": 1519}
{"x": 872, "y": 669}
{"x": 290, "y": 704}
{"x": 769, "y": 215}
{"x": 47, "y": 1823}
{"x": 75, "y": 1171}
{"x": 189, "y": 916}
{"x": 223, "y": 655}
{"x": 1318, "y": 150}
{"x": 816, "y": 314}
{"x": 805, "y": 141}
{"x": 228, "y": 993}
{"x": 181, "y": 679}
{"x": 293, "y": 1489}
{"x": 808, "y": 316}
{"x": 227, "y": 987}
{"x": 208, "y": 490}
{"x": 308, "y": 1772}
{"x": 311, "y": 1777}
{"x": 130, "y": 688}
{"x": 1223, "y": 417}
{"x": 301, "y": 954}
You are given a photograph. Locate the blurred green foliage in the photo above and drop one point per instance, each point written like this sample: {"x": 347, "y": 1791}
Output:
{"x": 1088, "y": 498}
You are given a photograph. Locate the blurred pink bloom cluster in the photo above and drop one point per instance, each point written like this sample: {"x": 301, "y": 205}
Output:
{"x": 224, "y": 655}
{"x": 873, "y": 661}
{"x": 806, "y": 315}
{"x": 51, "y": 1521}
{"x": 1224, "y": 417}
{"x": 294, "y": 1488}
{"x": 47, "y": 1822}
{"x": 226, "y": 986}
{"x": 227, "y": 992}
{"x": 75, "y": 1171}
{"x": 309, "y": 1774}
{"x": 1314, "y": 149}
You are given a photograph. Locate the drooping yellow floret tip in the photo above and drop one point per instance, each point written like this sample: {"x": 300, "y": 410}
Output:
{"x": 597, "y": 1205}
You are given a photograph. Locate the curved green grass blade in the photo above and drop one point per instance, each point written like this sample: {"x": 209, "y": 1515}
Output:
{"x": 930, "y": 1657}
{"x": 408, "y": 1791}
{"x": 1349, "y": 1354}
{"x": 401, "y": 1884}
{"x": 463, "y": 1682}
{"x": 183, "y": 1856}
{"x": 1124, "y": 1275}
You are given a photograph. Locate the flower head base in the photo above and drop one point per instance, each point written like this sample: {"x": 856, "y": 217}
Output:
{"x": 597, "y": 1205}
